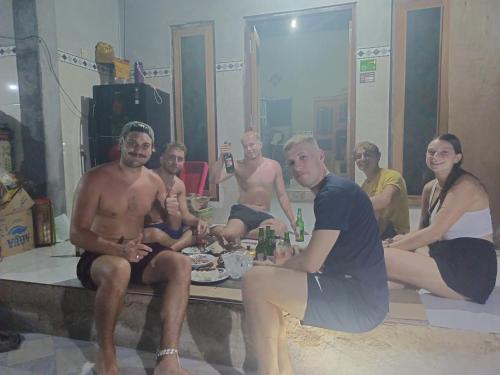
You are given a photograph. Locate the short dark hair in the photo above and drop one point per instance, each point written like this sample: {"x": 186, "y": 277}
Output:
{"x": 137, "y": 126}
{"x": 169, "y": 146}
{"x": 369, "y": 147}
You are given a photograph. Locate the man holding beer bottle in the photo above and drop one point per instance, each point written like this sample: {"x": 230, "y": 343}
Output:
{"x": 256, "y": 176}
{"x": 338, "y": 281}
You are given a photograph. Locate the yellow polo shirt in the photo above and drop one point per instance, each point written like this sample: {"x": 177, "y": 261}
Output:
{"x": 397, "y": 212}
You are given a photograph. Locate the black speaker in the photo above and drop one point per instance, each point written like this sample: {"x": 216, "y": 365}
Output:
{"x": 114, "y": 106}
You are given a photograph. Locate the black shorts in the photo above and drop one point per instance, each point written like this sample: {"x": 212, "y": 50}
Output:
{"x": 250, "y": 217}
{"x": 175, "y": 234}
{"x": 137, "y": 269}
{"x": 338, "y": 303}
{"x": 467, "y": 265}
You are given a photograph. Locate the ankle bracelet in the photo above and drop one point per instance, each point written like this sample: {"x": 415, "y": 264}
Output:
{"x": 167, "y": 351}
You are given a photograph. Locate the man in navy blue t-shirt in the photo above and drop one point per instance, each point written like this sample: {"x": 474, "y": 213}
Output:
{"x": 338, "y": 282}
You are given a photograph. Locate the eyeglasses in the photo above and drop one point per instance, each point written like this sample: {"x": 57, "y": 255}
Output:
{"x": 364, "y": 154}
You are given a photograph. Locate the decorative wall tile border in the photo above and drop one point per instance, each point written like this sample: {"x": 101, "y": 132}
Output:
{"x": 81, "y": 62}
{"x": 363, "y": 53}
{"x": 227, "y": 66}
{"x": 156, "y": 72}
{"x": 76, "y": 60}
{"x": 7, "y": 51}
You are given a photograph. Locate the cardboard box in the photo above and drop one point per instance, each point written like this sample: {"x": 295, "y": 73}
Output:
{"x": 16, "y": 224}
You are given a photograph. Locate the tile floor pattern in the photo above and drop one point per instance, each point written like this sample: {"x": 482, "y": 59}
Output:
{"x": 51, "y": 355}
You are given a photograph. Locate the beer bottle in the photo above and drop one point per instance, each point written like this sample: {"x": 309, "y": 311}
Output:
{"x": 299, "y": 223}
{"x": 283, "y": 250}
{"x": 260, "y": 250}
{"x": 271, "y": 244}
{"x": 287, "y": 239}
{"x": 228, "y": 161}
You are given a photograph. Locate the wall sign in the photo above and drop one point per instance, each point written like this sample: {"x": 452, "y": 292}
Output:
{"x": 368, "y": 65}
{"x": 366, "y": 77}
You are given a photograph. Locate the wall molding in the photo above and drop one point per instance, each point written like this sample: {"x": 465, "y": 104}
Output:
{"x": 7, "y": 51}
{"x": 368, "y": 52}
{"x": 81, "y": 62}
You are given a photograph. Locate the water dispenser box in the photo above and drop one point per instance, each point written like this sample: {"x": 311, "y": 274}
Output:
{"x": 16, "y": 225}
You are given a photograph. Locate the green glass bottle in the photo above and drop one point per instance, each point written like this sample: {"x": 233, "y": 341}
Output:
{"x": 299, "y": 223}
{"x": 229, "y": 161}
{"x": 287, "y": 239}
{"x": 261, "y": 245}
{"x": 271, "y": 244}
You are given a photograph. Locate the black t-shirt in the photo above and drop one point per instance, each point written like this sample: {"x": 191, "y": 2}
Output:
{"x": 341, "y": 205}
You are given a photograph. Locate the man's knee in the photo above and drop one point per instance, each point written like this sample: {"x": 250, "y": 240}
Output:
{"x": 114, "y": 273}
{"x": 277, "y": 225}
{"x": 179, "y": 268}
{"x": 254, "y": 280}
{"x": 231, "y": 235}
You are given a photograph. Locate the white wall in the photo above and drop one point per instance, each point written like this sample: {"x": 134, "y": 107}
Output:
{"x": 6, "y": 22}
{"x": 372, "y": 99}
{"x": 80, "y": 25}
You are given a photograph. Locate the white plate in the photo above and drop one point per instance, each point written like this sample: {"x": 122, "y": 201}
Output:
{"x": 201, "y": 260}
{"x": 191, "y": 250}
{"x": 208, "y": 277}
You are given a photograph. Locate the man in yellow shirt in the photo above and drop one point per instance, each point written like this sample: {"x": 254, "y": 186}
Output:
{"x": 386, "y": 189}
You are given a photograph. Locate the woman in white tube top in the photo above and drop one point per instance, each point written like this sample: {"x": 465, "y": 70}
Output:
{"x": 452, "y": 254}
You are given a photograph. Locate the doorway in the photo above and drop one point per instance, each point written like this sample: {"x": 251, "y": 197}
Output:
{"x": 300, "y": 79}
{"x": 194, "y": 92}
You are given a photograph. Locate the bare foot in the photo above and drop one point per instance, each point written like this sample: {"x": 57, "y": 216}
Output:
{"x": 169, "y": 365}
{"x": 106, "y": 364}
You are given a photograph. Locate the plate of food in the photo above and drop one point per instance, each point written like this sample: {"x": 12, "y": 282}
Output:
{"x": 199, "y": 277}
{"x": 191, "y": 250}
{"x": 216, "y": 248}
{"x": 202, "y": 260}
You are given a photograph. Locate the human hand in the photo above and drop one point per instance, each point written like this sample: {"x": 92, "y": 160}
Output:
{"x": 134, "y": 250}
{"x": 202, "y": 228}
{"x": 296, "y": 249}
{"x": 172, "y": 204}
{"x": 225, "y": 148}
{"x": 389, "y": 241}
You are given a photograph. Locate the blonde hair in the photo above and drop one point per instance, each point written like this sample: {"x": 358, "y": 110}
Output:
{"x": 298, "y": 139}
{"x": 251, "y": 133}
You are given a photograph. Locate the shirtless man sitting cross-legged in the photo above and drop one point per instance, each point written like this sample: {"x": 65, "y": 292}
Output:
{"x": 256, "y": 176}
{"x": 110, "y": 204}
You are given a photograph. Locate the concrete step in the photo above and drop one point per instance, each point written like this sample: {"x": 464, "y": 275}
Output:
{"x": 212, "y": 330}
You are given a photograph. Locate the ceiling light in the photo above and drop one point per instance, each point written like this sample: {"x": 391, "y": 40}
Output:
{"x": 12, "y": 87}
{"x": 293, "y": 24}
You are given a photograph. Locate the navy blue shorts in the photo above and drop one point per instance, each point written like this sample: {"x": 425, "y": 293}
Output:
{"x": 467, "y": 265}
{"x": 250, "y": 217}
{"x": 137, "y": 269}
{"x": 173, "y": 233}
{"x": 338, "y": 303}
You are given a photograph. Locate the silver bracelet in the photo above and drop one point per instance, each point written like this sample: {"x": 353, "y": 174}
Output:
{"x": 167, "y": 351}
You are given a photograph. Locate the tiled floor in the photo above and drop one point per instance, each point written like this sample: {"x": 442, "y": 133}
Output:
{"x": 45, "y": 265}
{"x": 50, "y": 355}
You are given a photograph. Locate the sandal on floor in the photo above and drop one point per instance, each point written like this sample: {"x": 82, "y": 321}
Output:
{"x": 9, "y": 341}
